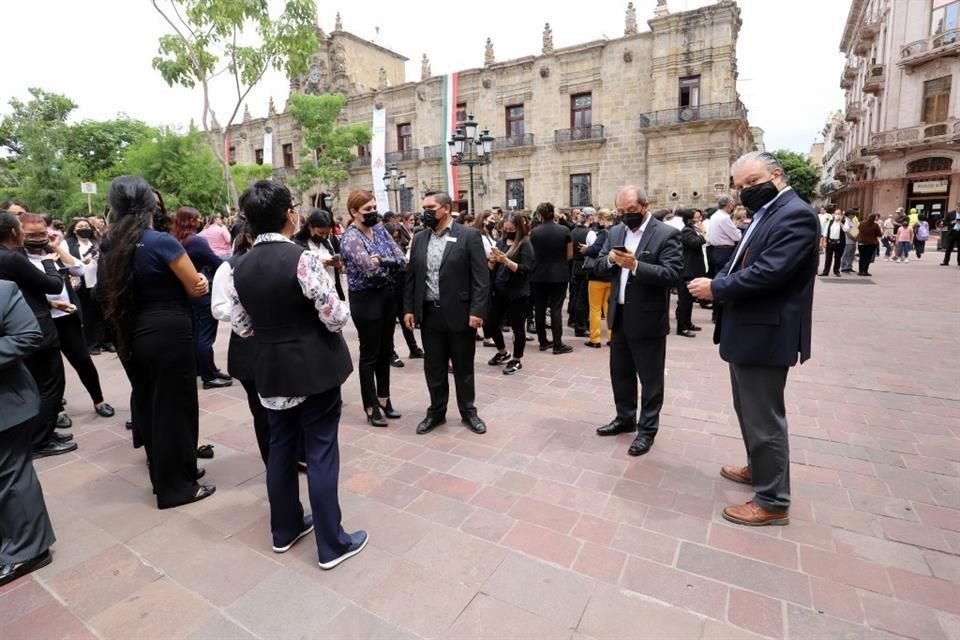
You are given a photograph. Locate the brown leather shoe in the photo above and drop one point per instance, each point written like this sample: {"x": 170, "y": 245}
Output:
{"x": 743, "y": 475}
{"x": 753, "y": 515}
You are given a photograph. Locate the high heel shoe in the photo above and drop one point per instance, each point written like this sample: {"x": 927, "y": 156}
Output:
{"x": 389, "y": 411}
{"x": 375, "y": 417}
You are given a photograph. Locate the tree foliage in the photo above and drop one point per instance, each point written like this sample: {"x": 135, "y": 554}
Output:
{"x": 800, "y": 173}
{"x": 328, "y": 148}
{"x": 246, "y": 174}
{"x": 210, "y": 37}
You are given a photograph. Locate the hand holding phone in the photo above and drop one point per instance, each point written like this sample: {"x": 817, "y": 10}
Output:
{"x": 621, "y": 249}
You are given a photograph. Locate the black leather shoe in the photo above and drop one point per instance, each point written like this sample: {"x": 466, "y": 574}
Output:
{"x": 390, "y": 412}
{"x": 498, "y": 359}
{"x": 53, "y": 448}
{"x": 109, "y": 347}
{"x": 694, "y": 327}
{"x": 640, "y": 445}
{"x": 395, "y": 361}
{"x": 593, "y": 345}
{"x": 616, "y": 426}
{"x": 375, "y": 418}
{"x": 429, "y": 423}
{"x": 562, "y": 349}
{"x": 62, "y": 437}
{"x": 64, "y": 421}
{"x": 95, "y": 351}
{"x": 104, "y": 410}
{"x": 580, "y": 333}
{"x": 416, "y": 353}
{"x": 217, "y": 383}
{"x": 200, "y": 473}
{"x": 222, "y": 375}
{"x": 686, "y": 333}
{"x": 129, "y": 425}
{"x": 546, "y": 346}
{"x": 11, "y": 572}
{"x": 475, "y": 424}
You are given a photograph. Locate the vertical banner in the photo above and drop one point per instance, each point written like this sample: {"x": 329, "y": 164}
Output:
{"x": 268, "y": 147}
{"x": 377, "y": 158}
{"x": 449, "y": 124}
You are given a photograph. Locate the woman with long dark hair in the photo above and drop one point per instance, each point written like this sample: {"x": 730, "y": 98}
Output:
{"x": 149, "y": 280}
{"x": 83, "y": 243}
{"x": 510, "y": 262}
{"x": 317, "y": 235}
{"x": 186, "y": 223}
{"x": 373, "y": 261}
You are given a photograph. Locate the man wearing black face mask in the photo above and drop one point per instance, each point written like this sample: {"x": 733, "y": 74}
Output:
{"x": 765, "y": 300}
{"x": 644, "y": 258}
{"x": 447, "y": 288}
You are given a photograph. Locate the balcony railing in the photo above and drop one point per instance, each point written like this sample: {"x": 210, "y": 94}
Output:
{"x": 577, "y": 134}
{"x": 407, "y": 155}
{"x": 684, "y": 115}
{"x": 854, "y": 112}
{"x": 899, "y": 139}
{"x": 363, "y": 161}
{"x": 433, "y": 152}
{"x": 921, "y": 51}
{"x": 512, "y": 142}
{"x": 870, "y": 27}
{"x": 875, "y": 79}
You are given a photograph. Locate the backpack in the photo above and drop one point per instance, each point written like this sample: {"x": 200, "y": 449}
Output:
{"x": 923, "y": 230}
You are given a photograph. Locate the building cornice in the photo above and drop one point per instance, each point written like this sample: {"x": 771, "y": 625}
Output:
{"x": 853, "y": 19}
{"x": 347, "y": 34}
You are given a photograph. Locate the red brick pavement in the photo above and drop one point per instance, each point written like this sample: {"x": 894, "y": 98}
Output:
{"x": 540, "y": 529}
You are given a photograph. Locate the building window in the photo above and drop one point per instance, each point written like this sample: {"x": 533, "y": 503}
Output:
{"x": 406, "y": 200}
{"x": 514, "y": 126}
{"x": 580, "y": 190}
{"x": 461, "y": 112}
{"x": 581, "y": 111}
{"x": 288, "y": 156}
{"x": 515, "y": 193}
{"x": 404, "y": 137}
{"x": 258, "y": 156}
{"x": 689, "y": 92}
{"x": 929, "y": 165}
{"x": 363, "y": 150}
{"x": 944, "y": 22}
{"x": 936, "y": 100}
{"x": 232, "y": 155}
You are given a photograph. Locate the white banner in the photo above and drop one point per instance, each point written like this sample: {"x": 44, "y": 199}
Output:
{"x": 268, "y": 147}
{"x": 931, "y": 186}
{"x": 378, "y": 146}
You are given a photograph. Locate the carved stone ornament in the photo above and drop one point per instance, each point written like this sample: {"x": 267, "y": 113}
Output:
{"x": 271, "y": 108}
{"x": 630, "y": 23}
{"x": 547, "y": 39}
{"x": 486, "y": 83}
{"x": 246, "y": 113}
{"x": 338, "y": 23}
{"x": 339, "y": 59}
{"x": 421, "y": 94}
{"x": 661, "y": 9}
{"x": 488, "y": 58}
{"x": 425, "y": 72}
{"x": 544, "y": 71}
{"x": 628, "y": 56}
{"x": 382, "y": 82}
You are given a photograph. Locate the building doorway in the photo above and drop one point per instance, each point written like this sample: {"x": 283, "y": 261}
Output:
{"x": 929, "y": 198}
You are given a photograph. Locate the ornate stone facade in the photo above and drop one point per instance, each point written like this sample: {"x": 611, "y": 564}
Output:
{"x": 658, "y": 109}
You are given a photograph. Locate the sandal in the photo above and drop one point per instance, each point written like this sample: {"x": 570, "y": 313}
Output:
{"x": 206, "y": 451}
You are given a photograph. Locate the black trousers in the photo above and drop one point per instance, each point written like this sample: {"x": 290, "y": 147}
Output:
{"x": 684, "y": 306}
{"x": 374, "y": 316}
{"x": 408, "y": 335}
{"x": 832, "y": 255}
{"x": 317, "y": 421}
{"x": 549, "y": 295}
{"x": 515, "y": 312}
{"x": 74, "y": 348}
{"x": 204, "y": 335}
{"x": 46, "y": 367}
{"x": 261, "y": 426}
{"x": 866, "y": 257}
{"x": 25, "y": 529}
{"x": 630, "y": 360}
{"x": 163, "y": 375}
{"x": 443, "y": 344}
{"x": 579, "y": 306}
{"x": 951, "y": 242}
{"x": 93, "y": 322}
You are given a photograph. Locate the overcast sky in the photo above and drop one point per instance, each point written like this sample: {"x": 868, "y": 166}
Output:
{"x": 98, "y": 52}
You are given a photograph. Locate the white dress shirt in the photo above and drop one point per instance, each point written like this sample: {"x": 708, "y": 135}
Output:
{"x": 631, "y": 241}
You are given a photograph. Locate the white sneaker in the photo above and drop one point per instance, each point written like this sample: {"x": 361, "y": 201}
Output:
{"x": 359, "y": 540}
{"x": 906, "y": 259}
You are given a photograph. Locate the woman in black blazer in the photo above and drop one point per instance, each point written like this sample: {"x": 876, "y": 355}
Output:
{"x": 510, "y": 262}
{"x": 692, "y": 238}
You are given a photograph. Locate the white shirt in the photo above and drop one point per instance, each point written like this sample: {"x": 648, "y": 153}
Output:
{"x": 722, "y": 232}
{"x": 325, "y": 254}
{"x": 676, "y": 222}
{"x": 631, "y": 241}
{"x": 591, "y": 237}
{"x": 63, "y": 296}
{"x": 90, "y": 267}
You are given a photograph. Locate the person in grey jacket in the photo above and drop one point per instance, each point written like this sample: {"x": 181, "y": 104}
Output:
{"x": 25, "y": 530}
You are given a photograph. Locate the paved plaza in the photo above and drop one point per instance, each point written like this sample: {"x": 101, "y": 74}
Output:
{"x": 540, "y": 529}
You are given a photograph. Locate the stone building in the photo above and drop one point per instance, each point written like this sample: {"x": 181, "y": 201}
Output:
{"x": 658, "y": 108}
{"x": 901, "y": 116}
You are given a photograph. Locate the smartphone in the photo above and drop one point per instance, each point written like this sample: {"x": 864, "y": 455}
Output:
{"x": 621, "y": 249}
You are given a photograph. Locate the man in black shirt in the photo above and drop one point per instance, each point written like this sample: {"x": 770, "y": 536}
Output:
{"x": 578, "y": 307}
{"x": 553, "y": 251}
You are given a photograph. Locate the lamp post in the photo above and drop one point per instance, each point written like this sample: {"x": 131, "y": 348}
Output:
{"x": 471, "y": 149}
{"x": 396, "y": 181}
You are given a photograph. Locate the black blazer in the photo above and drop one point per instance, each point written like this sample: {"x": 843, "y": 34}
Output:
{"x": 693, "y": 265}
{"x": 513, "y": 284}
{"x": 35, "y": 286}
{"x": 464, "y": 277}
{"x": 20, "y": 335}
{"x": 766, "y": 301}
{"x": 647, "y": 298}
{"x": 949, "y": 220}
{"x": 550, "y": 241}
{"x": 579, "y": 236}
{"x": 843, "y": 236}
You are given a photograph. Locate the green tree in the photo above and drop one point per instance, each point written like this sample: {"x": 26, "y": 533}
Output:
{"x": 246, "y": 174}
{"x": 208, "y": 39}
{"x": 801, "y": 174}
{"x": 36, "y": 169}
{"x": 99, "y": 146}
{"x": 328, "y": 149}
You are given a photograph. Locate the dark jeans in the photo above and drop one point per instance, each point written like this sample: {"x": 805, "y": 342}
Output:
{"x": 721, "y": 256}
{"x": 919, "y": 246}
{"x": 515, "y": 311}
{"x": 684, "y": 306}
{"x": 204, "y": 335}
{"x": 579, "y": 306}
{"x": 317, "y": 420}
{"x": 46, "y": 367}
{"x": 25, "y": 529}
{"x": 75, "y": 350}
{"x": 443, "y": 344}
{"x": 832, "y": 256}
{"x": 549, "y": 294}
{"x": 951, "y": 241}
{"x": 866, "y": 257}
{"x": 374, "y": 317}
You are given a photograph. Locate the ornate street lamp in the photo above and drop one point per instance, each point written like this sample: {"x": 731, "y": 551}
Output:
{"x": 470, "y": 149}
{"x": 396, "y": 181}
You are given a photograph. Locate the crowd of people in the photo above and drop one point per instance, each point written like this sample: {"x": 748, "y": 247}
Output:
{"x": 153, "y": 287}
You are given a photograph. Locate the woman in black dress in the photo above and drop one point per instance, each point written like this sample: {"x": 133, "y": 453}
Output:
{"x": 149, "y": 280}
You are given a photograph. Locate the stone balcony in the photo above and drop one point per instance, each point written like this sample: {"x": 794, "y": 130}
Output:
{"x": 849, "y": 76}
{"x": 875, "y": 80}
{"x": 406, "y": 155}
{"x": 521, "y": 145}
{"x": 579, "y": 137}
{"x": 433, "y": 152}
{"x": 941, "y": 45}
{"x": 854, "y": 112}
{"x": 690, "y": 115}
{"x": 840, "y": 133}
{"x": 913, "y": 137}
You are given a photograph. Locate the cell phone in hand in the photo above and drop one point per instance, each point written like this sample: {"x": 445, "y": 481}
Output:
{"x": 621, "y": 249}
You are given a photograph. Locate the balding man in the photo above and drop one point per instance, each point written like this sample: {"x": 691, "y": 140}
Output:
{"x": 765, "y": 301}
{"x": 644, "y": 258}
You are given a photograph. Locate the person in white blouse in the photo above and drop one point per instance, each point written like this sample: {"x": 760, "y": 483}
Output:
{"x": 82, "y": 243}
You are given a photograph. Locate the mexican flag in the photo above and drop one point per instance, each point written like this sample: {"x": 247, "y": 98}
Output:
{"x": 449, "y": 124}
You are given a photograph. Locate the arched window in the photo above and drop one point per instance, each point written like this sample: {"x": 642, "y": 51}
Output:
{"x": 926, "y": 165}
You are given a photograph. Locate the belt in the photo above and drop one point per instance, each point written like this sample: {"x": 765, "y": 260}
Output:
{"x": 724, "y": 246}
{"x": 432, "y": 304}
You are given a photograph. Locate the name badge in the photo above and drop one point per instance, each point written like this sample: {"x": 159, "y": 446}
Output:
{"x": 451, "y": 239}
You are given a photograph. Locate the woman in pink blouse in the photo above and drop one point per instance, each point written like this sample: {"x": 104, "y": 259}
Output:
{"x": 218, "y": 237}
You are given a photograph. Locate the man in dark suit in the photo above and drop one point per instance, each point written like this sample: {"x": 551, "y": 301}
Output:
{"x": 765, "y": 297}
{"x": 644, "y": 258}
{"x": 579, "y": 304}
{"x": 553, "y": 251}
{"x": 447, "y": 289}
{"x": 25, "y": 530}
{"x": 951, "y": 236}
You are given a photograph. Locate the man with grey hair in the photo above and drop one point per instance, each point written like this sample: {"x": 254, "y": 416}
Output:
{"x": 764, "y": 298}
{"x": 644, "y": 258}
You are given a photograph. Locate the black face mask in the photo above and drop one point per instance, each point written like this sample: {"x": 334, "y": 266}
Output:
{"x": 491, "y": 226}
{"x": 85, "y": 233}
{"x": 38, "y": 246}
{"x": 633, "y": 220}
{"x": 429, "y": 219}
{"x": 370, "y": 219}
{"x": 510, "y": 235}
{"x": 755, "y": 197}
